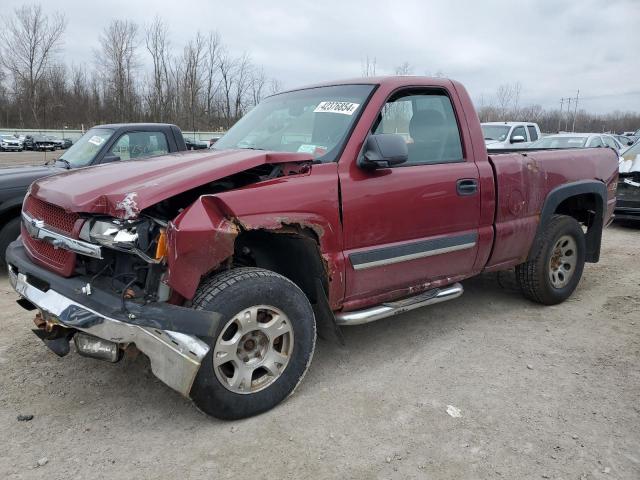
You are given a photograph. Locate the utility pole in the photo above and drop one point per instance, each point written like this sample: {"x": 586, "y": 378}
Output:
{"x": 566, "y": 121}
{"x": 560, "y": 116}
{"x": 575, "y": 112}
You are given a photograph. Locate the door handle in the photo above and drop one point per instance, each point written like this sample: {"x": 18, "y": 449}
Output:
{"x": 467, "y": 186}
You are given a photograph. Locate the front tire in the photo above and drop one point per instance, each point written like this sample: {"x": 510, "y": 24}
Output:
{"x": 262, "y": 347}
{"x": 553, "y": 273}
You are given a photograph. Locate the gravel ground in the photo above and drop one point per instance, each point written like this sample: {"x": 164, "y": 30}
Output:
{"x": 27, "y": 157}
{"x": 541, "y": 392}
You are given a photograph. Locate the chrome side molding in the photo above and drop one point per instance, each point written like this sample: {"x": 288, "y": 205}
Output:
{"x": 388, "y": 309}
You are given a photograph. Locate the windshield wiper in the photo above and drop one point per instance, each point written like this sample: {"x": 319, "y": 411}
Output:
{"x": 66, "y": 162}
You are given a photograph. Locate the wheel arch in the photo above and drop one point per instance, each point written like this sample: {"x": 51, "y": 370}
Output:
{"x": 292, "y": 251}
{"x": 585, "y": 201}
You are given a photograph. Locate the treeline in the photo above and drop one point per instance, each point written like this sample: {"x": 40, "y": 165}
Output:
{"x": 505, "y": 106}
{"x": 137, "y": 75}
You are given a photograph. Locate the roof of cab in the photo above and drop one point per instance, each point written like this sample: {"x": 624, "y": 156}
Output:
{"x": 510, "y": 124}
{"x": 391, "y": 81}
{"x": 117, "y": 126}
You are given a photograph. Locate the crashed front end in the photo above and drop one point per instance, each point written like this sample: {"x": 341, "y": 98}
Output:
{"x": 102, "y": 281}
{"x": 628, "y": 194}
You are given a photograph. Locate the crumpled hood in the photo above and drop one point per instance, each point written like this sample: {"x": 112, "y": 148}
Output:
{"x": 493, "y": 143}
{"x": 123, "y": 189}
{"x": 629, "y": 163}
{"x": 13, "y": 177}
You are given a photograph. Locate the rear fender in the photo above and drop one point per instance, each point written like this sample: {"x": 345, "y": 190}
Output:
{"x": 565, "y": 192}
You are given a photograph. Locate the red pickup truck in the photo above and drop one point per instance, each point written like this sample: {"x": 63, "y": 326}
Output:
{"x": 326, "y": 206}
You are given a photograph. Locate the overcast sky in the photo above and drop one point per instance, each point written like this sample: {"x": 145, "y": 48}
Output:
{"x": 553, "y": 47}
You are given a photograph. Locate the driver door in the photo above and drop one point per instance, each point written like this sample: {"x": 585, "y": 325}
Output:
{"x": 417, "y": 222}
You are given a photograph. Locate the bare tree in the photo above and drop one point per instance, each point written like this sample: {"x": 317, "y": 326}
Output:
{"x": 404, "y": 69}
{"x": 28, "y": 43}
{"x": 504, "y": 97}
{"x": 258, "y": 85}
{"x": 242, "y": 84}
{"x": 118, "y": 61}
{"x": 368, "y": 67}
{"x": 192, "y": 75}
{"x": 157, "y": 44}
{"x": 212, "y": 79}
{"x": 227, "y": 67}
{"x": 275, "y": 86}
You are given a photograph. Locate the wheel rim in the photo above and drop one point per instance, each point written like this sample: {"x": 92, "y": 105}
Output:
{"x": 253, "y": 349}
{"x": 562, "y": 263}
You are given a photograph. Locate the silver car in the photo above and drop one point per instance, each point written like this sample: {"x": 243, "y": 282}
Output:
{"x": 578, "y": 140}
{"x": 10, "y": 143}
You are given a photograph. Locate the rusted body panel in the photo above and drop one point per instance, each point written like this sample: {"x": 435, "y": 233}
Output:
{"x": 524, "y": 182}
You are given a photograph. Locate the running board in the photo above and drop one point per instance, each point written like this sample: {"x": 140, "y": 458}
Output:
{"x": 388, "y": 309}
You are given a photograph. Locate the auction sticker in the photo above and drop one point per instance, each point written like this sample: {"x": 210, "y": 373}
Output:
{"x": 96, "y": 140}
{"x": 346, "y": 108}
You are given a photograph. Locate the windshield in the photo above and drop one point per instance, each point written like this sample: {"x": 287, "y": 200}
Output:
{"x": 7, "y": 137}
{"x": 559, "y": 142}
{"x": 315, "y": 121}
{"x": 495, "y": 132}
{"x": 85, "y": 149}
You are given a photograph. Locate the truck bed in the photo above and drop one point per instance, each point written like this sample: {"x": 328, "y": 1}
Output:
{"x": 524, "y": 178}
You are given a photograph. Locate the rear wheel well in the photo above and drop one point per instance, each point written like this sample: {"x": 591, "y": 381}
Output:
{"x": 588, "y": 210}
{"x": 582, "y": 207}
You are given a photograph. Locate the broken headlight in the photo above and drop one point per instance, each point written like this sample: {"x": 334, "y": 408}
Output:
{"x": 145, "y": 237}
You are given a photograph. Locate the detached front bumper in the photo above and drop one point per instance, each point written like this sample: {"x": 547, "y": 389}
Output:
{"x": 166, "y": 333}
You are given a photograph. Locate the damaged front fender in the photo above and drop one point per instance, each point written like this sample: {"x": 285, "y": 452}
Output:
{"x": 199, "y": 240}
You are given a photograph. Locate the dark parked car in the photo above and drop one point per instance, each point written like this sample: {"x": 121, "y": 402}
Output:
{"x": 628, "y": 197}
{"x": 38, "y": 142}
{"x": 193, "y": 144}
{"x": 58, "y": 142}
{"x": 102, "y": 144}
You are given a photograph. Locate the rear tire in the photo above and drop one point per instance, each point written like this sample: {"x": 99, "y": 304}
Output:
{"x": 262, "y": 347}
{"x": 553, "y": 273}
{"x": 8, "y": 233}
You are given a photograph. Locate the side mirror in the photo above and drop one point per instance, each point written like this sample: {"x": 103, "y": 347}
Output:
{"x": 518, "y": 139}
{"x": 384, "y": 150}
{"x": 110, "y": 158}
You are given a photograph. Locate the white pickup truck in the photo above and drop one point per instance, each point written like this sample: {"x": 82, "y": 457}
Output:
{"x": 509, "y": 134}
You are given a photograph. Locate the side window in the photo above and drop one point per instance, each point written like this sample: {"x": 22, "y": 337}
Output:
{"x": 533, "y": 134}
{"x": 610, "y": 142}
{"x": 140, "y": 144}
{"x": 595, "y": 142}
{"x": 428, "y": 124}
{"x": 518, "y": 131}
